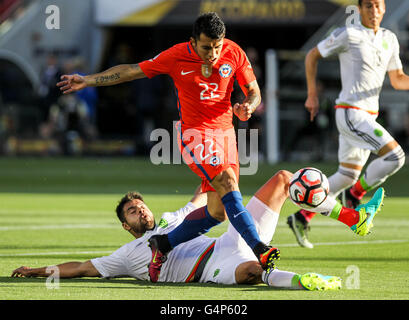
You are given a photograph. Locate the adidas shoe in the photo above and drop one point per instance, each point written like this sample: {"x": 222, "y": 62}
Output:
{"x": 367, "y": 212}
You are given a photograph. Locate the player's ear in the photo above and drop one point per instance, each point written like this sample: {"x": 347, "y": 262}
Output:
{"x": 193, "y": 41}
{"x": 126, "y": 226}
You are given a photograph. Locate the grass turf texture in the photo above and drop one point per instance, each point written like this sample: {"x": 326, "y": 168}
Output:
{"x": 59, "y": 210}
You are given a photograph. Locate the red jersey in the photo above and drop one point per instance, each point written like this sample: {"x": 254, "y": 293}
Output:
{"x": 203, "y": 95}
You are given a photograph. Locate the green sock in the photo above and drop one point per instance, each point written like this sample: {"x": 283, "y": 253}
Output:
{"x": 364, "y": 185}
{"x": 336, "y": 211}
{"x": 295, "y": 281}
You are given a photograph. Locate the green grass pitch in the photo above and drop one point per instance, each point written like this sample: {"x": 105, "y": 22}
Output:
{"x": 55, "y": 210}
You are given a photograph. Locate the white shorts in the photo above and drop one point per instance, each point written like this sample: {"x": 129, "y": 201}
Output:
{"x": 359, "y": 135}
{"x": 231, "y": 250}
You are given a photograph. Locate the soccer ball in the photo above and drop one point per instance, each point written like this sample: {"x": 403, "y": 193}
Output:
{"x": 309, "y": 188}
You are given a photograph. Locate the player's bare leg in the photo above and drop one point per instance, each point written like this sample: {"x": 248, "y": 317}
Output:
{"x": 215, "y": 206}
{"x": 275, "y": 191}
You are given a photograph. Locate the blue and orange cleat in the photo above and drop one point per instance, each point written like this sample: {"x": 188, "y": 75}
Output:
{"x": 367, "y": 213}
{"x": 267, "y": 258}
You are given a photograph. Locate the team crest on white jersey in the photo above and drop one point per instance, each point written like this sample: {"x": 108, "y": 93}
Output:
{"x": 225, "y": 70}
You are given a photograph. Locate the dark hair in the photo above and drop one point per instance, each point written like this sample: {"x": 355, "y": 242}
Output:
{"x": 210, "y": 24}
{"x": 360, "y": 3}
{"x": 132, "y": 195}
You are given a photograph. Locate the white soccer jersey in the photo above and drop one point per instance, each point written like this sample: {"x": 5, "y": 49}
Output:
{"x": 364, "y": 57}
{"x": 133, "y": 258}
{"x": 230, "y": 250}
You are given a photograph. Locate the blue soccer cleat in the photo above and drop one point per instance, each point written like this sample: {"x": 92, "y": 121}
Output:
{"x": 367, "y": 212}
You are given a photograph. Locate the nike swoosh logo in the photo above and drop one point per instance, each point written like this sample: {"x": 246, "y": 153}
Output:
{"x": 154, "y": 257}
{"x": 363, "y": 222}
{"x": 183, "y": 73}
{"x": 237, "y": 214}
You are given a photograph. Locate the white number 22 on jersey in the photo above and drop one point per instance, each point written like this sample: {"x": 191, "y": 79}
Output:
{"x": 208, "y": 91}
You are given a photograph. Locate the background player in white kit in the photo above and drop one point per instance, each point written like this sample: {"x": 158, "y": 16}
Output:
{"x": 366, "y": 53}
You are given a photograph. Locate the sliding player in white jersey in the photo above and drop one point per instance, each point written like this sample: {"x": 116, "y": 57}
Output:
{"x": 366, "y": 53}
{"x": 223, "y": 260}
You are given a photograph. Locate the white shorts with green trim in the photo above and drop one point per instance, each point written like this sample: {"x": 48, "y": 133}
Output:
{"x": 359, "y": 135}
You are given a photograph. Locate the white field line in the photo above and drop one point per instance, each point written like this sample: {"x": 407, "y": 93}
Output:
{"x": 27, "y": 254}
{"x": 343, "y": 243}
{"x": 340, "y": 243}
{"x": 61, "y": 226}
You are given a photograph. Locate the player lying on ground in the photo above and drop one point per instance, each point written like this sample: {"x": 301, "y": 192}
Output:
{"x": 366, "y": 53}
{"x": 203, "y": 70}
{"x": 223, "y": 260}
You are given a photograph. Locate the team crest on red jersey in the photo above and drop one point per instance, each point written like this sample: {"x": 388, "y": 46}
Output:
{"x": 225, "y": 70}
{"x": 206, "y": 70}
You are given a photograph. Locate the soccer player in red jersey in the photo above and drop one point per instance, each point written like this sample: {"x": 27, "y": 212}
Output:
{"x": 203, "y": 71}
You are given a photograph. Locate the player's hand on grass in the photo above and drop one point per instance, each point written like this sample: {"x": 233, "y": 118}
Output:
{"x": 312, "y": 105}
{"x": 21, "y": 272}
{"x": 242, "y": 111}
{"x": 71, "y": 83}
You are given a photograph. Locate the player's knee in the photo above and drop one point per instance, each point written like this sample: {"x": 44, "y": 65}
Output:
{"x": 395, "y": 159}
{"x": 225, "y": 182}
{"x": 283, "y": 176}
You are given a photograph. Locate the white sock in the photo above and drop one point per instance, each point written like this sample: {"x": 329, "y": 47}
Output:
{"x": 342, "y": 179}
{"x": 383, "y": 167}
{"x": 327, "y": 206}
{"x": 280, "y": 279}
{"x": 264, "y": 218}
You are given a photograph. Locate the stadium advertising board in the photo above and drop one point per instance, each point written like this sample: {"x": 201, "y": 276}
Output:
{"x": 180, "y": 12}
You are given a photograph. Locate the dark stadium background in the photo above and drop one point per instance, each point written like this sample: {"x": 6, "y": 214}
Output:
{"x": 125, "y": 114}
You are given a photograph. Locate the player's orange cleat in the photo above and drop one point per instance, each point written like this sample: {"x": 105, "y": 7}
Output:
{"x": 267, "y": 258}
{"x": 157, "y": 259}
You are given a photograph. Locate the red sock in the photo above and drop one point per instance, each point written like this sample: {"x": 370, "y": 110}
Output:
{"x": 357, "y": 191}
{"x": 308, "y": 215}
{"x": 348, "y": 216}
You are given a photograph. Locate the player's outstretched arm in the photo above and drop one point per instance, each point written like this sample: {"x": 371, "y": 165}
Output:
{"x": 311, "y": 65}
{"x": 66, "y": 270}
{"x": 399, "y": 80}
{"x": 253, "y": 98}
{"x": 115, "y": 75}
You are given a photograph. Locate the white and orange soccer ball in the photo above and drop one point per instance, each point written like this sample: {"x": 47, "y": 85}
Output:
{"x": 309, "y": 188}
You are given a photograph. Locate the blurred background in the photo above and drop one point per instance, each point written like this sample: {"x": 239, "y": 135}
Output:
{"x": 42, "y": 39}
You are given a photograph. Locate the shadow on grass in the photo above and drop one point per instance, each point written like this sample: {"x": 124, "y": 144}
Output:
{"x": 89, "y": 283}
